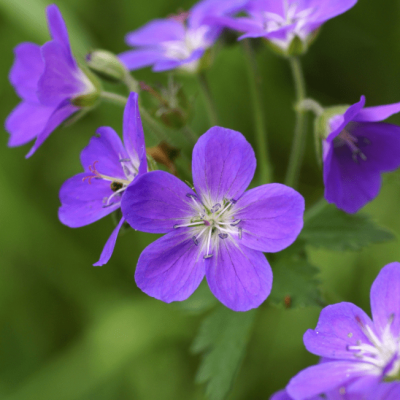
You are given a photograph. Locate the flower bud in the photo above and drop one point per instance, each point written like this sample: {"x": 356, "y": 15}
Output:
{"x": 106, "y": 65}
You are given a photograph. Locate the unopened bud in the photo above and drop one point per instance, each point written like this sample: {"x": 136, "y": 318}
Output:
{"x": 106, "y": 65}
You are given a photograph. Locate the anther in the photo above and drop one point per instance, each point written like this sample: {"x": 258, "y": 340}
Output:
{"x": 233, "y": 201}
{"x": 235, "y": 222}
{"x": 191, "y": 196}
{"x": 240, "y": 232}
{"x": 207, "y": 256}
{"x": 223, "y": 235}
{"x": 196, "y": 242}
{"x": 215, "y": 208}
{"x": 124, "y": 159}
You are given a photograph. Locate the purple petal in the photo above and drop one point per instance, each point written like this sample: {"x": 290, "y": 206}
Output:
{"x": 323, "y": 377}
{"x": 339, "y": 326}
{"x": 82, "y": 203}
{"x": 156, "y": 201}
{"x": 60, "y": 80}
{"x": 239, "y": 277}
{"x": 378, "y": 113}
{"x": 133, "y": 133}
{"x": 26, "y": 122}
{"x": 156, "y": 32}
{"x": 327, "y": 9}
{"x": 109, "y": 246}
{"x": 281, "y": 395}
{"x": 60, "y": 114}
{"x": 106, "y": 150}
{"x": 170, "y": 269}
{"x": 380, "y": 143}
{"x": 223, "y": 164}
{"x": 385, "y": 298}
{"x": 26, "y": 70}
{"x": 272, "y": 217}
{"x": 348, "y": 116}
{"x": 58, "y": 31}
{"x": 206, "y": 8}
{"x": 167, "y": 64}
{"x": 136, "y": 59}
{"x": 242, "y": 24}
{"x": 349, "y": 184}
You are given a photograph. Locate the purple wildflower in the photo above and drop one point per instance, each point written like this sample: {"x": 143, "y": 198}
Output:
{"x": 385, "y": 391}
{"x": 109, "y": 170}
{"x": 47, "y": 78}
{"x": 280, "y": 21}
{"x": 357, "y": 150}
{"x": 178, "y": 41}
{"x": 360, "y": 356}
{"x": 215, "y": 229}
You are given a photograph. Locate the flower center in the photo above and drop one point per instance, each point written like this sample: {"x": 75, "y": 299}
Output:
{"x": 346, "y": 138}
{"x": 383, "y": 352}
{"x": 182, "y": 49}
{"x": 274, "y": 22}
{"x": 117, "y": 185}
{"x": 209, "y": 225}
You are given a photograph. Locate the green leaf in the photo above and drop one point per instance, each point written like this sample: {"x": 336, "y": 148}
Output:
{"x": 333, "y": 229}
{"x": 295, "y": 283}
{"x": 223, "y": 337}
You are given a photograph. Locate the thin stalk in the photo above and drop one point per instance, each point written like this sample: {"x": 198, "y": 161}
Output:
{"x": 209, "y": 102}
{"x": 131, "y": 83}
{"x": 114, "y": 98}
{"x": 263, "y": 159}
{"x": 121, "y": 100}
{"x": 300, "y": 132}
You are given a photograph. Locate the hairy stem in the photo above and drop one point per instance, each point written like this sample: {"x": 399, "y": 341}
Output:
{"x": 209, "y": 102}
{"x": 263, "y": 159}
{"x": 300, "y": 133}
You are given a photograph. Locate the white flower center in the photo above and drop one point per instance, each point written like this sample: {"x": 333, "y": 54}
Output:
{"x": 383, "y": 353}
{"x": 117, "y": 185}
{"x": 182, "y": 49}
{"x": 274, "y": 22}
{"x": 212, "y": 223}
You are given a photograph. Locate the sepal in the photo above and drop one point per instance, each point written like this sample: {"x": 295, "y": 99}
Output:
{"x": 106, "y": 65}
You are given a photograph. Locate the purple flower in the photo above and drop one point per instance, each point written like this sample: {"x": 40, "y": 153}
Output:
{"x": 385, "y": 391}
{"x": 356, "y": 151}
{"x": 178, "y": 41}
{"x": 360, "y": 356}
{"x": 47, "y": 78}
{"x": 215, "y": 229}
{"x": 280, "y": 21}
{"x": 109, "y": 170}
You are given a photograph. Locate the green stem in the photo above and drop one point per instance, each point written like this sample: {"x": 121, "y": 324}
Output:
{"x": 297, "y": 152}
{"x": 131, "y": 83}
{"x": 114, "y": 98}
{"x": 263, "y": 159}
{"x": 210, "y": 106}
{"x": 121, "y": 100}
{"x": 190, "y": 134}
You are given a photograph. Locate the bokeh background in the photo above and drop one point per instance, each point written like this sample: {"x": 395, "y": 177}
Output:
{"x": 69, "y": 331}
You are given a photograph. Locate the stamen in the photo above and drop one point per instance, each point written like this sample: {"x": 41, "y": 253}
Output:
{"x": 240, "y": 232}
{"x": 208, "y": 255}
{"x": 196, "y": 242}
{"x": 236, "y": 222}
{"x": 223, "y": 235}
{"x": 124, "y": 160}
{"x": 192, "y": 224}
{"x": 215, "y": 208}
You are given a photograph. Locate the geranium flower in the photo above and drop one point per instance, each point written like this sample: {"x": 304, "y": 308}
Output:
{"x": 109, "y": 170}
{"x": 178, "y": 41}
{"x": 47, "y": 78}
{"x": 215, "y": 229}
{"x": 360, "y": 354}
{"x": 280, "y": 21}
{"x": 385, "y": 391}
{"x": 356, "y": 151}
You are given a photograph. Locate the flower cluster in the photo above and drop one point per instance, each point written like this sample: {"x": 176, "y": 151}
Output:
{"x": 214, "y": 228}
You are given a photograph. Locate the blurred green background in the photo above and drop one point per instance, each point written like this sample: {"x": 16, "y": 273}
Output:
{"x": 69, "y": 331}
